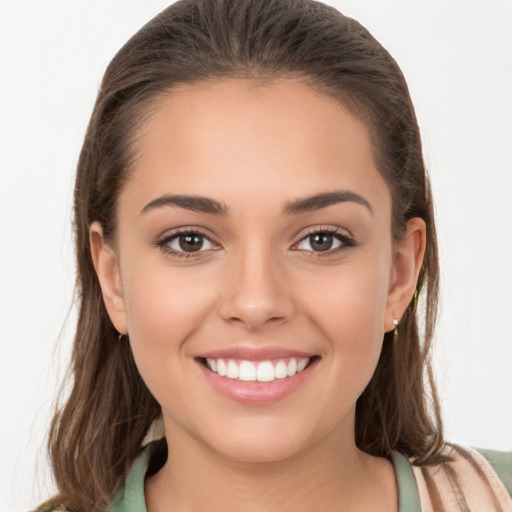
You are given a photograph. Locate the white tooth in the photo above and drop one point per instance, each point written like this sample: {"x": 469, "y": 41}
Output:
{"x": 292, "y": 367}
{"x": 302, "y": 364}
{"x": 265, "y": 372}
{"x": 211, "y": 364}
{"x": 232, "y": 371}
{"x": 280, "y": 371}
{"x": 221, "y": 367}
{"x": 247, "y": 371}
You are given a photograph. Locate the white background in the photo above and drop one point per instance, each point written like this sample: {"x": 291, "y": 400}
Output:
{"x": 457, "y": 57}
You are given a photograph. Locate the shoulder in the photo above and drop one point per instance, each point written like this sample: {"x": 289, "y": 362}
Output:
{"x": 472, "y": 480}
{"x": 501, "y": 462}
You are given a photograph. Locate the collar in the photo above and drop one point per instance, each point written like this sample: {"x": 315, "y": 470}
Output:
{"x": 131, "y": 498}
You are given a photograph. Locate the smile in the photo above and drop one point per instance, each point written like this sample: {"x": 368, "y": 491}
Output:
{"x": 256, "y": 376}
{"x": 262, "y": 371}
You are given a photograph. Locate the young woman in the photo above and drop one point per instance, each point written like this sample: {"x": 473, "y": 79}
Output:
{"x": 256, "y": 251}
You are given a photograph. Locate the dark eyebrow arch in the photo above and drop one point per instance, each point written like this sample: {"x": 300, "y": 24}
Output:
{"x": 318, "y": 201}
{"x": 195, "y": 203}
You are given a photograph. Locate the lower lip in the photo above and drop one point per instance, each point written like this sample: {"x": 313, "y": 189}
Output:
{"x": 256, "y": 392}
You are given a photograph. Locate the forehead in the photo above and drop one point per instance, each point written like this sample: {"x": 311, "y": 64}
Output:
{"x": 279, "y": 139}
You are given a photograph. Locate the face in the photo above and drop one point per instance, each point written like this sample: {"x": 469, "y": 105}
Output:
{"x": 254, "y": 268}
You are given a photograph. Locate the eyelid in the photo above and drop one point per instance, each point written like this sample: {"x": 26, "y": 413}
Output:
{"x": 346, "y": 239}
{"x": 343, "y": 236}
{"x": 163, "y": 241}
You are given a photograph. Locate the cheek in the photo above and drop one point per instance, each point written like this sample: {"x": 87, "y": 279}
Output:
{"x": 350, "y": 311}
{"x": 353, "y": 300}
{"x": 164, "y": 309}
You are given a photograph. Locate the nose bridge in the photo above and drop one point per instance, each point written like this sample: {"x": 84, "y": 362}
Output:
{"x": 256, "y": 291}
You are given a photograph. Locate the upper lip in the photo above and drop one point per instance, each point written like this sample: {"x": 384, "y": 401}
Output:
{"x": 254, "y": 353}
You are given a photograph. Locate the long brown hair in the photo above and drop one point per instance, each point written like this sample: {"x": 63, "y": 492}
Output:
{"x": 97, "y": 433}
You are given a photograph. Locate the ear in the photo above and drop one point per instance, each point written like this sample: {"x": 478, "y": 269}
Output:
{"x": 106, "y": 264}
{"x": 407, "y": 262}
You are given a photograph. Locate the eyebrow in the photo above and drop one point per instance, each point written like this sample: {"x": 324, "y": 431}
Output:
{"x": 318, "y": 201}
{"x": 211, "y": 206}
{"x": 195, "y": 203}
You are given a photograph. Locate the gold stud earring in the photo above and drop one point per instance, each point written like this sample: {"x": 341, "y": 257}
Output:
{"x": 395, "y": 330}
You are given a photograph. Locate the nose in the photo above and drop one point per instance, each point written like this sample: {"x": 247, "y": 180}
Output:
{"x": 256, "y": 291}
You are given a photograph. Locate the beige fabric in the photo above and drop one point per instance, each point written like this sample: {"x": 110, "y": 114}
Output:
{"x": 475, "y": 488}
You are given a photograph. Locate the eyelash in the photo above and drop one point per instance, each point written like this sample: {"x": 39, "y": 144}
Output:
{"x": 346, "y": 241}
{"x": 164, "y": 242}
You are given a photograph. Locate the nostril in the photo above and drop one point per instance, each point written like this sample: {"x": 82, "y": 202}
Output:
{"x": 255, "y": 304}
{"x": 253, "y": 320}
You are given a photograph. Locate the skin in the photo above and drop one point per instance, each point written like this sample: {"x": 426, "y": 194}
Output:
{"x": 255, "y": 148}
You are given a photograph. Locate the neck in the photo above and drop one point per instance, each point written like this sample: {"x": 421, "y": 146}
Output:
{"x": 330, "y": 475}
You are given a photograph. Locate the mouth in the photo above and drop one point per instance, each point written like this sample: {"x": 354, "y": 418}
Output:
{"x": 268, "y": 370}
{"x": 253, "y": 377}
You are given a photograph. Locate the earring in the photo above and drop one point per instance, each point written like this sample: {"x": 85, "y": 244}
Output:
{"x": 395, "y": 330}
{"x": 120, "y": 336}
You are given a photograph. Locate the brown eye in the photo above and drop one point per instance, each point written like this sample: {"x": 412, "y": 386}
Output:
{"x": 321, "y": 241}
{"x": 191, "y": 242}
{"x": 324, "y": 241}
{"x": 187, "y": 242}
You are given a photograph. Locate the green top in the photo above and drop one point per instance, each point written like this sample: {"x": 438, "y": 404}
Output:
{"x": 501, "y": 462}
{"x": 131, "y": 499}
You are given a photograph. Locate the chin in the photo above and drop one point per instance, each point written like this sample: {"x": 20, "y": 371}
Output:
{"x": 259, "y": 451}
{"x": 260, "y": 442}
